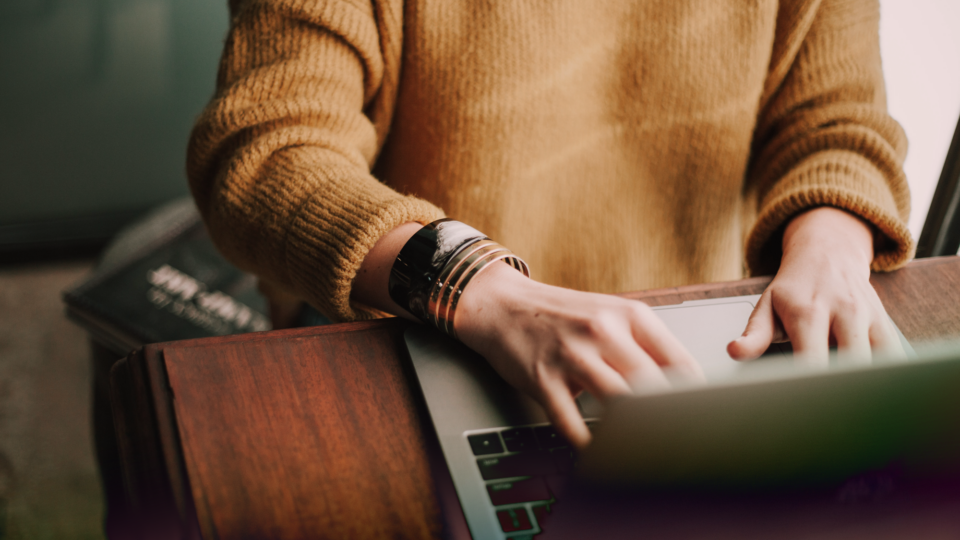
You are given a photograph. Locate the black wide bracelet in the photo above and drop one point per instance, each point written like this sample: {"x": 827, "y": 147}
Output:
{"x": 422, "y": 259}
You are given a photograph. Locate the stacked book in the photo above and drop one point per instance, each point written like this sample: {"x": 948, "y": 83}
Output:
{"x": 163, "y": 280}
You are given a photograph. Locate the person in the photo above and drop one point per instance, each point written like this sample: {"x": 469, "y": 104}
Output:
{"x": 613, "y": 146}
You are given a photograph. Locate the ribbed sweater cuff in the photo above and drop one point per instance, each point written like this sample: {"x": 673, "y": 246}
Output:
{"x": 334, "y": 230}
{"x": 841, "y": 180}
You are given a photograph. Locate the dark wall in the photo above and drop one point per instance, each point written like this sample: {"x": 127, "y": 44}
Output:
{"x": 96, "y": 102}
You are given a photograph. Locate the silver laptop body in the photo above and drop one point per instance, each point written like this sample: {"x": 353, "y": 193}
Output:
{"x": 485, "y": 426}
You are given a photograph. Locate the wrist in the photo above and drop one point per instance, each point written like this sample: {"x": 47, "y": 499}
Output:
{"x": 488, "y": 295}
{"x": 827, "y": 229}
{"x": 437, "y": 264}
{"x": 370, "y": 283}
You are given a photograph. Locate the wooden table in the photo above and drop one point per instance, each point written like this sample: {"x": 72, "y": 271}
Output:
{"x": 318, "y": 432}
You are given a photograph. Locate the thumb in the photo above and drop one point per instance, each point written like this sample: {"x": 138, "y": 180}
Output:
{"x": 761, "y": 330}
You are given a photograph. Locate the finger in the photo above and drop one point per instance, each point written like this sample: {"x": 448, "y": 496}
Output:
{"x": 658, "y": 343}
{"x": 762, "y": 330}
{"x": 598, "y": 378}
{"x": 852, "y": 334}
{"x": 809, "y": 332}
{"x": 637, "y": 368}
{"x": 885, "y": 339}
{"x": 563, "y": 412}
{"x": 642, "y": 374}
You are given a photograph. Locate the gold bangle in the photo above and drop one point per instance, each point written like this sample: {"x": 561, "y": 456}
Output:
{"x": 461, "y": 276}
{"x": 457, "y": 274}
{"x": 443, "y": 280}
{"x": 508, "y": 257}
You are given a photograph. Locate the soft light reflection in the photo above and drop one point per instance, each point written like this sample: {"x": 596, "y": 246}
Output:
{"x": 920, "y": 45}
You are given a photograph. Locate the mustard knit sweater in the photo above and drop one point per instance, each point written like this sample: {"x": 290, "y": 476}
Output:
{"x": 615, "y": 145}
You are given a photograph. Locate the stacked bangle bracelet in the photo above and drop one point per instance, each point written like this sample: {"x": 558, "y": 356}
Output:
{"x": 435, "y": 266}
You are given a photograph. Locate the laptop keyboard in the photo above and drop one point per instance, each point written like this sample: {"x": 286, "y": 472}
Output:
{"x": 524, "y": 469}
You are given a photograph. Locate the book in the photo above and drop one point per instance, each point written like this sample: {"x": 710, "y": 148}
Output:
{"x": 163, "y": 280}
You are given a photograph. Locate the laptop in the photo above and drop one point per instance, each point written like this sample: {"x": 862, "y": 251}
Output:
{"x": 508, "y": 465}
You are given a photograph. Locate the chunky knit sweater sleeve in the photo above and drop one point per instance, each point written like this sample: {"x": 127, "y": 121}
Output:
{"x": 497, "y": 96}
{"x": 823, "y": 136}
{"x": 279, "y": 162}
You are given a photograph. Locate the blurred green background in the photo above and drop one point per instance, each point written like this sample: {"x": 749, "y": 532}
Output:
{"x": 97, "y": 98}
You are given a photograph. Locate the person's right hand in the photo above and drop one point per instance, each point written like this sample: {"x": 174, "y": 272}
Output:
{"x": 552, "y": 343}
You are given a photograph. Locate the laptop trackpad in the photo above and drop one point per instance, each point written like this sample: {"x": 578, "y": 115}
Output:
{"x": 706, "y": 327}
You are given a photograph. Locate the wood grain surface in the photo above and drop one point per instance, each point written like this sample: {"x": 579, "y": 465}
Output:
{"x": 303, "y": 437}
{"x": 923, "y": 298}
{"x": 319, "y": 433}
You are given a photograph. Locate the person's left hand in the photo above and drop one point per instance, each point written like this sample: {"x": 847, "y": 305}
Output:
{"x": 821, "y": 296}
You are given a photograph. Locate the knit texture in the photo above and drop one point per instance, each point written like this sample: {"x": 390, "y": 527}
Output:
{"x": 613, "y": 145}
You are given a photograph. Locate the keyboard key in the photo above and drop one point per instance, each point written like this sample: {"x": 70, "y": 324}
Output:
{"x": 519, "y": 439}
{"x": 564, "y": 459}
{"x": 549, "y": 438}
{"x": 521, "y": 491}
{"x": 485, "y": 443}
{"x": 514, "y": 519}
{"x": 542, "y": 512}
{"x": 535, "y": 463}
